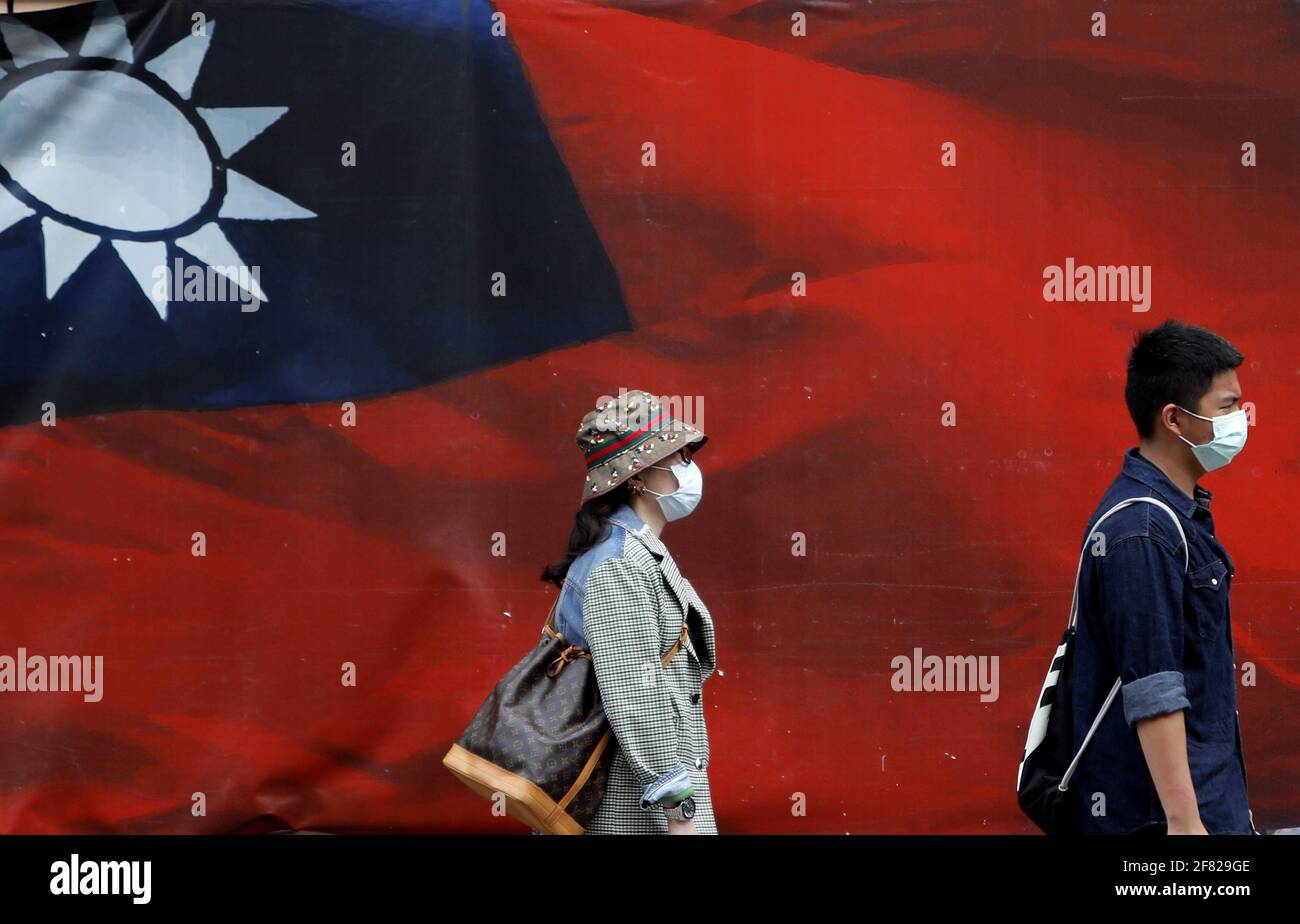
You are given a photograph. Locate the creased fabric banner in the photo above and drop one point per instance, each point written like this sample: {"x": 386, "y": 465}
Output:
{"x": 301, "y": 304}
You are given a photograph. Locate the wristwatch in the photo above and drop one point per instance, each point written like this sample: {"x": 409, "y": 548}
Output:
{"x": 682, "y": 811}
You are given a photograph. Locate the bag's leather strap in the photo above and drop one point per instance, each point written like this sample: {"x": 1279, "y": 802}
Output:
{"x": 550, "y": 619}
{"x": 587, "y": 770}
{"x": 577, "y": 653}
{"x": 677, "y": 645}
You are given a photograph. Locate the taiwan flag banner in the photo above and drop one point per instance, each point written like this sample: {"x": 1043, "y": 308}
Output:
{"x": 304, "y": 302}
{"x": 184, "y": 229}
{"x": 224, "y": 226}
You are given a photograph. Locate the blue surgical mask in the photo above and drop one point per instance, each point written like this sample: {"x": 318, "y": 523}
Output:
{"x": 1229, "y": 436}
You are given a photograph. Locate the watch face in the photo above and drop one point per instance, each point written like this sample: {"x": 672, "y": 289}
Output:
{"x": 688, "y": 807}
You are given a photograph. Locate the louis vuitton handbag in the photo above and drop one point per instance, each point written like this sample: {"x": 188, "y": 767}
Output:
{"x": 540, "y": 742}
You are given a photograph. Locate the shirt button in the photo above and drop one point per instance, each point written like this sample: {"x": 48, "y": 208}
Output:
{"x": 1214, "y": 581}
{"x": 698, "y": 763}
{"x": 695, "y": 697}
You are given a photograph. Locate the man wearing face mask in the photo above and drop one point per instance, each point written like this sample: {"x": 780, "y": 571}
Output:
{"x": 623, "y": 598}
{"x": 1153, "y": 613}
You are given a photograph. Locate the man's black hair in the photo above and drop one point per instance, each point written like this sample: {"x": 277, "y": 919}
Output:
{"x": 1174, "y": 362}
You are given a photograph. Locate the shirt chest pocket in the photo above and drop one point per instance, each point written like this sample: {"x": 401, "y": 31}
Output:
{"x": 1209, "y": 597}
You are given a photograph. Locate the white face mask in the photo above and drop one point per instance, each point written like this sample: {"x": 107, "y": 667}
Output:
{"x": 1229, "y": 436}
{"x": 690, "y": 485}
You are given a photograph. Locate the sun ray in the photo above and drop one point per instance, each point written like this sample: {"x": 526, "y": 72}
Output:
{"x": 250, "y": 200}
{"x": 179, "y": 65}
{"x": 106, "y": 37}
{"x": 146, "y": 207}
{"x": 11, "y": 210}
{"x": 65, "y": 250}
{"x": 27, "y": 46}
{"x": 210, "y": 245}
{"x": 235, "y": 128}
{"x": 143, "y": 259}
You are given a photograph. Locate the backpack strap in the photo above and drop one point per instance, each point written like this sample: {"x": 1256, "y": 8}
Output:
{"x": 1074, "y": 613}
{"x": 1187, "y": 558}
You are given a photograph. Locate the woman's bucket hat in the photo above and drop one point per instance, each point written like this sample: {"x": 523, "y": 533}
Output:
{"x": 626, "y": 434}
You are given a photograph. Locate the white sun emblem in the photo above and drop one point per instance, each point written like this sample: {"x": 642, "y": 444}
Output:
{"x": 102, "y": 150}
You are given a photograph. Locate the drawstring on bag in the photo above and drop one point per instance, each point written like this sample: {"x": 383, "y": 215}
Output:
{"x": 568, "y": 655}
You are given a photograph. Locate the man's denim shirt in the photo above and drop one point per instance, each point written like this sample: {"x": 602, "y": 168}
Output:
{"x": 1168, "y": 635}
{"x": 568, "y": 611}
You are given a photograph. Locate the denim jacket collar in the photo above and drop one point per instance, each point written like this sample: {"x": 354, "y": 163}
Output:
{"x": 1140, "y": 468}
{"x": 626, "y": 517}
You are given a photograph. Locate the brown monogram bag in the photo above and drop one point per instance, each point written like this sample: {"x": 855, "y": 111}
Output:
{"x": 541, "y": 738}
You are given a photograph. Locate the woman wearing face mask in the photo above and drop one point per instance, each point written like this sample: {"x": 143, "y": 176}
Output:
{"x": 623, "y": 598}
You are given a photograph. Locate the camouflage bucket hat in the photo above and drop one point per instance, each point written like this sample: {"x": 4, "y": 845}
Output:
{"x": 626, "y": 434}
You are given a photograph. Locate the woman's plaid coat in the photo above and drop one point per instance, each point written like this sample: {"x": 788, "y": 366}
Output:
{"x": 633, "y": 603}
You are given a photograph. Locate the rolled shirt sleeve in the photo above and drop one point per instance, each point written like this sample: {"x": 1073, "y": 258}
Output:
{"x": 620, "y": 620}
{"x": 1141, "y": 599}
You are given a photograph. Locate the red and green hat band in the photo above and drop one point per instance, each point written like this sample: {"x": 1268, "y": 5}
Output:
{"x": 629, "y": 440}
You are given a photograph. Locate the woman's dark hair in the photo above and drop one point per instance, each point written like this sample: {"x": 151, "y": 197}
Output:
{"x": 1174, "y": 362}
{"x": 590, "y": 525}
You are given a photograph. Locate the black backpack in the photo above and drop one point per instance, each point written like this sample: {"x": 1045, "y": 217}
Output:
{"x": 1049, "y": 761}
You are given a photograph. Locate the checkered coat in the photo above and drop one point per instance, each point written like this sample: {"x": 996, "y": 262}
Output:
{"x": 633, "y": 608}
